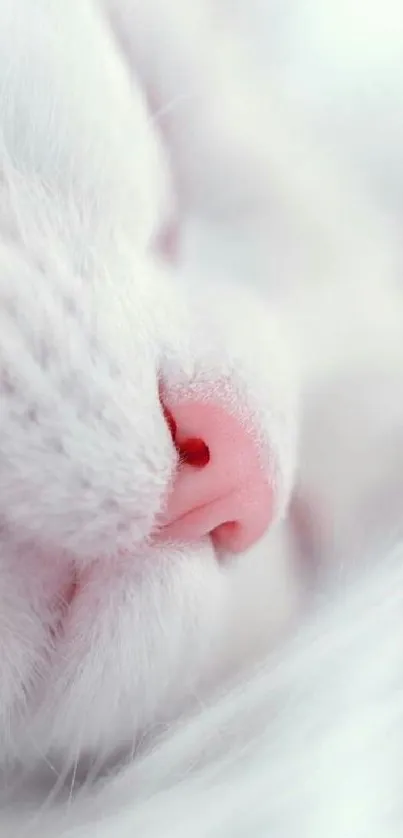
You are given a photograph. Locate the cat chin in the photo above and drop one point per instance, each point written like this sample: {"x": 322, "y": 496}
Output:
{"x": 139, "y": 637}
{"x": 145, "y": 634}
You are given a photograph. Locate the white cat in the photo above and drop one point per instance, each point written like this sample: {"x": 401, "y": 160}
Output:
{"x": 148, "y": 432}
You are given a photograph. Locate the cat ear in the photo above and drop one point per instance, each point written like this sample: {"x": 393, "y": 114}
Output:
{"x": 221, "y": 487}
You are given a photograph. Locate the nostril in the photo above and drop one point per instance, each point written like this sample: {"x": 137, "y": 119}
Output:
{"x": 194, "y": 452}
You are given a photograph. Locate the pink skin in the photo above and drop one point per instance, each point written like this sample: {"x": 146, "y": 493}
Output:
{"x": 227, "y": 494}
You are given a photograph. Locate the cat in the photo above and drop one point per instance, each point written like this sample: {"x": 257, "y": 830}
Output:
{"x": 149, "y": 427}
{"x": 109, "y": 367}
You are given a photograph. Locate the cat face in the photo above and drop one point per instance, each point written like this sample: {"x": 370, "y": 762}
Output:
{"x": 147, "y": 425}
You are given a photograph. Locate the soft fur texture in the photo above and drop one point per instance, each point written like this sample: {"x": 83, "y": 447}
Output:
{"x": 150, "y": 688}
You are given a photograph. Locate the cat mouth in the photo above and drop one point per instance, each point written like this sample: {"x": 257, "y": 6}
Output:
{"x": 72, "y": 589}
{"x": 66, "y": 598}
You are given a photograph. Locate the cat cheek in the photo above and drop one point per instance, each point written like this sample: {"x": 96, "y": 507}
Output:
{"x": 138, "y": 635}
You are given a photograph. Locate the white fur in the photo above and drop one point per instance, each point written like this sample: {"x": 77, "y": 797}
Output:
{"x": 89, "y": 321}
{"x": 309, "y": 746}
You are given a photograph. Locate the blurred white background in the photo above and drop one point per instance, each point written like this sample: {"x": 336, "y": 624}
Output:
{"x": 341, "y": 63}
{"x": 331, "y": 248}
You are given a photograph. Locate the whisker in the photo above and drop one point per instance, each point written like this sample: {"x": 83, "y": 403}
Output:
{"x": 178, "y": 100}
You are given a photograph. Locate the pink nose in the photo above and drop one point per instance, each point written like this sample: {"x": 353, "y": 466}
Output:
{"x": 220, "y": 488}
